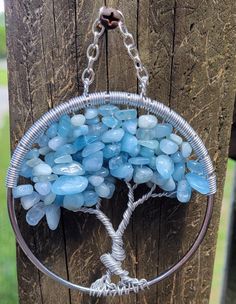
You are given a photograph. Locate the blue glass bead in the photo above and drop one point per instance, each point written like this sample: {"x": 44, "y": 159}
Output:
{"x": 30, "y": 200}
{"x": 107, "y": 110}
{"x": 64, "y": 126}
{"x": 52, "y": 130}
{"x": 42, "y": 169}
{"x": 147, "y": 121}
{"x": 63, "y": 159}
{"x": 142, "y": 175}
{"x": 93, "y": 121}
{"x": 179, "y": 170}
{"x": 111, "y": 189}
{"x": 169, "y": 185}
{"x": 115, "y": 162}
{"x": 186, "y": 149}
{"x": 129, "y": 144}
{"x": 65, "y": 149}
{"x": 158, "y": 179}
{"x": 83, "y": 141}
{"x": 104, "y": 172}
{"x": 176, "y": 139}
{"x": 43, "y": 188}
{"x": 96, "y": 180}
{"x": 59, "y": 200}
{"x": 79, "y": 131}
{"x": 97, "y": 129}
{"x": 110, "y": 121}
{"x": 177, "y": 157}
{"x": 130, "y": 126}
{"x": 125, "y": 171}
{"x": 73, "y": 168}
{"x": 44, "y": 178}
{"x": 112, "y": 136}
{"x": 92, "y": 148}
{"x": 198, "y": 182}
{"x": 168, "y": 147}
{"x": 146, "y": 152}
{"x": 195, "y": 167}
{"x": 184, "y": 191}
{"x": 69, "y": 185}
{"x": 151, "y": 144}
{"x": 139, "y": 160}
{"x": 165, "y": 166}
{"x": 103, "y": 190}
{"x": 56, "y": 142}
{"x": 44, "y": 150}
{"x": 34, "y": 162}
{"x": 77, "y": 120}
{"x": 90, "y": 113}
{"x": 22, "y": 190}
{"x": 73, "y": 202}
{"x": 42, "y": 140}
{"x": 152, "y": 162}
{"x": 34, "y": 153}
{"x": 53, "y": 215}
{"x": 111, "y": 150}
{"x": 126, "y": 114}
{"x": 49, "y": 158}
{"x": 49, "y": 198}
{"x": 35, "y": 214}
{"x": 93, "y": 162}
{"x": 90, "y": 198}
{"x": 145, "y": 134}
{"x": 25, "y": 170}
{"x": 163, "y": 130}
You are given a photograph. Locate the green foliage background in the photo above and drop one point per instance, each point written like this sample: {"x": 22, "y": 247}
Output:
{"x": 3, "y": 50}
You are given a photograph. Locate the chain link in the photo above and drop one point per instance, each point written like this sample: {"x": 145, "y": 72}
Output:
{"x": 93, "y": 53}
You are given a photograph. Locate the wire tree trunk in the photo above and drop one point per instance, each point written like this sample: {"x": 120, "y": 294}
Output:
{"x": 189, "y": 49}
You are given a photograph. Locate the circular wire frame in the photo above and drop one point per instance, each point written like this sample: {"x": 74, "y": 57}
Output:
{"x": 94, "y": 99}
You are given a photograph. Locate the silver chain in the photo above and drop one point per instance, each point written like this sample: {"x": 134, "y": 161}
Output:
{"x": 93, "y": 53}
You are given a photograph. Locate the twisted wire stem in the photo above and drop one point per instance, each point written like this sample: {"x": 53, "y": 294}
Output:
{"x": 113, "y": 261}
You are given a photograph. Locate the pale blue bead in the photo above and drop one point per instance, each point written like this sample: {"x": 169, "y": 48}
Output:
{"x": 195, "y": 167}
{"x": 90, "y": 113}
{"x": 198, "y": 182}
{"x": 73, "y": 202}
{"x": 168, "y": 146}
{"x": 111, "y": 188}
{"x": 145, "y": 134}
{"x": 112, "y": 136}
{"x": 53, "y": 214}
{"x": 25, "y": 170}
{"x": 107, "y": 110}
{"x": 64, "y": 126}
{"x": 115, "y": 162}
{"x": 177, "y": 157}
{"x": 69, "y": 185}
{"x": 129, "y": 143}
{"x": 44, "y": 150}
{"x": 34, "y": 153}
{"x": 179, "y": 170}
{"x": 165, "y": 166}
{"x": 63, "y": 159}
{"x": 97, "y": 129}
{"x": 77, "y": 120}
{"x": 84, "y": 129}
{"x": 92, "y": 148}
{"x": 135, "y": 151}
{"x": 176, "y": 139}
{"x": 184, "y": 191}
{"x": 34, "y": 162}
{"x": 111, "y": 150}
{"x": 104, "y": 172}
{"x": 96, "y": 180}
{"x": 125, "y": 171}
{"x": 147, "y": 121}
{"x": 152, "y": 162}
{"x": 22, "y": 190}
{"x": 49, "y": 198}
{"x": 93, "y": 121}
{"x": 169, "y": 185}
{"x": 146, "y": 152}
{"x": 35, "y": 214}
{"x": 44, "y": 178}
{"x": 83, "y": 141}
{"x": 142, "y": 175}
{"x": 65, "y": 149}
{"x": 42, "y": 140}
{"x": 130, "y": 126}
{"x": 139, "y": 160}
{"x": 43, "y": 188}
{"x": 52, "y": 130}
{"x": 126, "y": 114}
{"x": 30, "y": 200}
{"x": 49, "y": 158}
{"x": 42, "y": 169}
{"x": 110, "y": 121}
{"x": 73, "y": 168}
{"x": 163, "y": 130}
{"x": 186, "y": 149}
{"x": 158, "y": 179}
{"x": 93, "y": 162}
{"x": 110, "y": 179}
{"x": 103, "y": 190}
{"x": 56, "y": 142}
{"x": 151, "y": 144}
{"x": 59, "y": 200}
{"x": 90, "y": 198}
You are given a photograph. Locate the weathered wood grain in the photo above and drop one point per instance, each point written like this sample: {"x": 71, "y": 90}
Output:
{"x": 188, "y": 47}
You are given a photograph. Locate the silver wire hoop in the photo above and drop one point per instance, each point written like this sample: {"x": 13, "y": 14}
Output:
{"x": 96, "y": 99}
